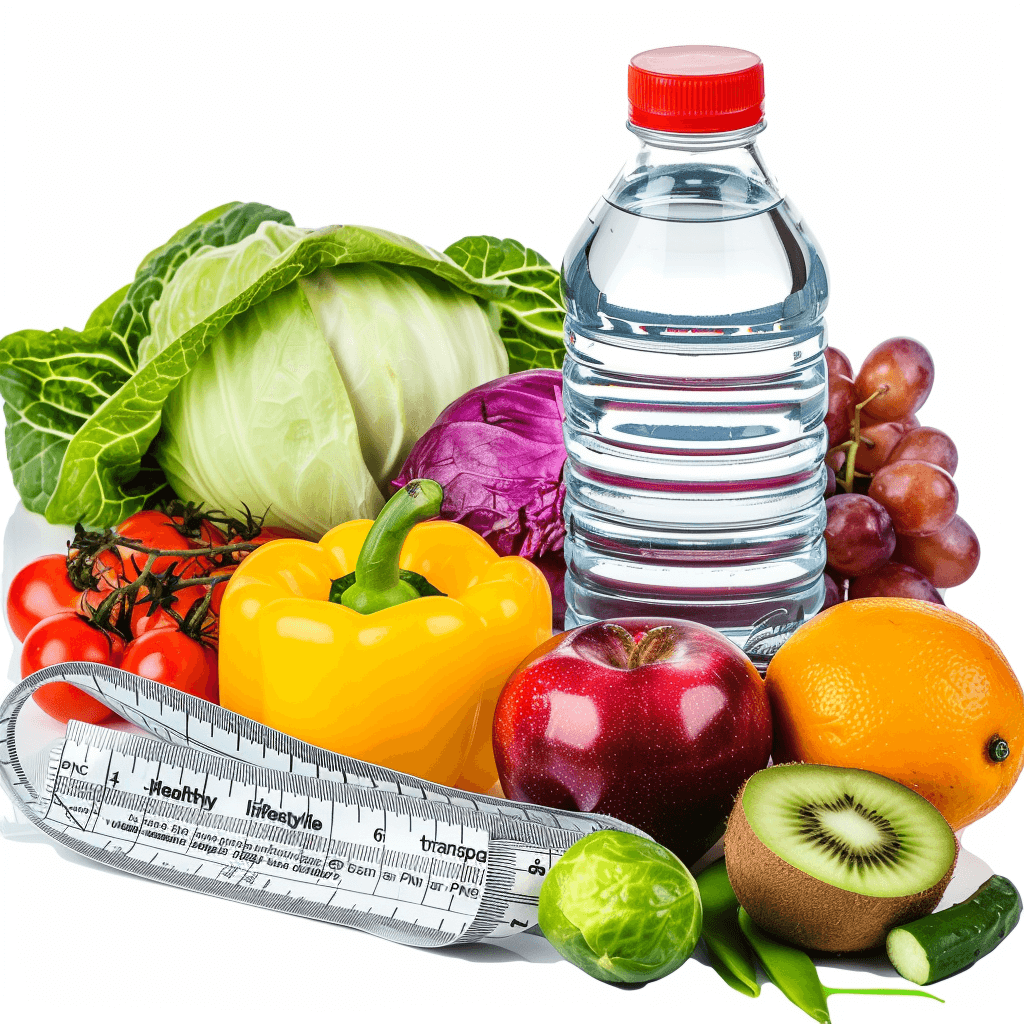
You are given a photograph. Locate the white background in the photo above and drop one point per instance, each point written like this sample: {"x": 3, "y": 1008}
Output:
{"x": 893, "y": 125}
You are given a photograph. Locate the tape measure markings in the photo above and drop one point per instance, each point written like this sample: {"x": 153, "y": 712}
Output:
{"x": 219, "y": 804}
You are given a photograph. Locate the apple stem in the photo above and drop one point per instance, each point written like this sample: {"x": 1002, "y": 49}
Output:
{"x": 653, "y": 645}
{"x": 656, "y": 644}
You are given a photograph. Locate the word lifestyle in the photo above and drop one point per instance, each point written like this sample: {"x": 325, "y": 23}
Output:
{"x": 262, "y": 809}
{"x": 215, "y": 803}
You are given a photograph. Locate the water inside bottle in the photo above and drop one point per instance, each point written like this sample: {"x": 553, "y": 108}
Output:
{"x": 695, "y": 391}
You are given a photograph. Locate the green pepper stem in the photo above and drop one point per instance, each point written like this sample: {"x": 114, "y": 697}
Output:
{"x": 378, "y": 584}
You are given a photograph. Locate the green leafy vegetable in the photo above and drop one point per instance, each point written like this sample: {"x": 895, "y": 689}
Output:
{"x": 53, "y": 382}
{"x": 104, "y": 312}
{"x": 310, "y": 402}
{"x": 225, "y": 226}
{"x": 531, "y": 310}
{"x": 334, "y": 350}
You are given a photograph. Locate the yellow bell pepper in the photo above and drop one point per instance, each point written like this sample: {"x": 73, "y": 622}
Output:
{"x": 412, "y": 686}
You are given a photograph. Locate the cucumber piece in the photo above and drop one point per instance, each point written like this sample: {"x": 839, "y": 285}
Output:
{"x": 939, "y": 945}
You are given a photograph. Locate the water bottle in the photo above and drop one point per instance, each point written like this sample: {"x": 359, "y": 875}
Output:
{"x": 695, "y": 384}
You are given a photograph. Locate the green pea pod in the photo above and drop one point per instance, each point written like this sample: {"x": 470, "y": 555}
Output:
{"x": 731, "y": 955}
{"x": 793, "y": 972}
{"x": 789, "y": 969}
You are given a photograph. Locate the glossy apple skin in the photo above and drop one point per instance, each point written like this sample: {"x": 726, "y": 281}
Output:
{"x": 665, "y": 746}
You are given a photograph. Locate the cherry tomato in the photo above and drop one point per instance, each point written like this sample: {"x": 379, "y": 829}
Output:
{"x": 168, "y": 656}
{"x": 219, "y": 588}
{"x": 117, "y": 646}
{"x": 40, "y": 590}
{"x": 66, "y": 637}
{"x": 90, "y": 600}
{"x": 152, "y": 529}
{"x": 209, "y": 537}
{"x": 145, "y": 621}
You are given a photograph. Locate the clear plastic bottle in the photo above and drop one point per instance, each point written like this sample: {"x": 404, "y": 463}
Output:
{"x": 695, "y": 384}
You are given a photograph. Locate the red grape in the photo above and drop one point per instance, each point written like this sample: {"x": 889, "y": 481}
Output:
{"x": 908, "y": 423}
{"x": 830, "y": 481}
{"x": 884, "y": 438}
{"x": 833, "y": 595}
{"x": 838, "y": 578}
{"x": 947, "y": 558}
{"x": 859, "y": 535}
{"x": 835, "y": 461}
{"x": 920, "y": 498}
{"x": 895, "y": 580}
{"x": 905, "y": 369}
{"x": 838, "y": 363}
{"x": 840, "y": 409}
{"x": 926, "y": 444}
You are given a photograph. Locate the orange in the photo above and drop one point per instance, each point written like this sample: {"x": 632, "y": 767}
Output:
{"x": 907, "y": 689}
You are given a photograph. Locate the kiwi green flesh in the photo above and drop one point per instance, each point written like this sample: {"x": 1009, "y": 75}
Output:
{"x": 853, "y": 829}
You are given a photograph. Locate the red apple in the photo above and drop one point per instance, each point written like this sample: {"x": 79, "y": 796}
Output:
{"x": 657, "y": 722}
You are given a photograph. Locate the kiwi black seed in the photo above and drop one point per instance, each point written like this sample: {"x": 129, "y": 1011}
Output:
{"x": 831, "y": 858}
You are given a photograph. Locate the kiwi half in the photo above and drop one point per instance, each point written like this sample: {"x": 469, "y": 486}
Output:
{"x": 832, "y": 858}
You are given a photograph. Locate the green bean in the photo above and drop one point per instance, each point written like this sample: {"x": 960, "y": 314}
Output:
{"x": 793, "y": 972}
{"x": 789, "y": 969}
{"x": 731, "y": 955}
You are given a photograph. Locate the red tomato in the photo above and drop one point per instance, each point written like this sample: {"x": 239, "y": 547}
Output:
{"x": 66, "y": 637}
{"x": 152, "y": 529}
{"x": 219, "y": 588}
{"x": 209, "y": 537}
{"x": 40, "y": 590}
{"x": 117, "y": 646}
{"x": 145, "y": 621}
{"x": 168, "y": 656}
{"x": 90, "y": 600}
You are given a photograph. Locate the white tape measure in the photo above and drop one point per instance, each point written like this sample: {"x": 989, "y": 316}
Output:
{"x": 223, "y": 805}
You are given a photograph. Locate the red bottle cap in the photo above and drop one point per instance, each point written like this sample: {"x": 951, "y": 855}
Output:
{"x": 696, "y": 89}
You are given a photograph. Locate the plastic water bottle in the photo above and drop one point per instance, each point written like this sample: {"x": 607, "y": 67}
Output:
{"x": 695, "y": 384}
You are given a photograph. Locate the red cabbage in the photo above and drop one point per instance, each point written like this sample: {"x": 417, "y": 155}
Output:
{"x": 498, "y": 453}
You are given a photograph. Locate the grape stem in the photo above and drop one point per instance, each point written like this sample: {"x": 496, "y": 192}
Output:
{"x": 850, "y": 447}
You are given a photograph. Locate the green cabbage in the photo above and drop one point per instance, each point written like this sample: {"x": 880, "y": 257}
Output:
{"x": 310, "y": 402}
{"x": 253, "y": 362}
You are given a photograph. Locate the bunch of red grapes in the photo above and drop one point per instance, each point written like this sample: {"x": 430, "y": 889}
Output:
{"x": 892, "y": 525}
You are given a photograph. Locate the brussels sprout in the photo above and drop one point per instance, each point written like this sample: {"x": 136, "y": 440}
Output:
{"x": 621, "y": 907}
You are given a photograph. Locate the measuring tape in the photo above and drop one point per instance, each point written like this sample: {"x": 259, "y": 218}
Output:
{"x": 216, "y": 803}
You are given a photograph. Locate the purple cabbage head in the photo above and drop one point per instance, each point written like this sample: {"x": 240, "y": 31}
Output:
{"x": 498, "y": 453}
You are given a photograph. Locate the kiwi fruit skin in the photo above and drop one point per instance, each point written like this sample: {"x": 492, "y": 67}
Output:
{"x": 806, "y": 911}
